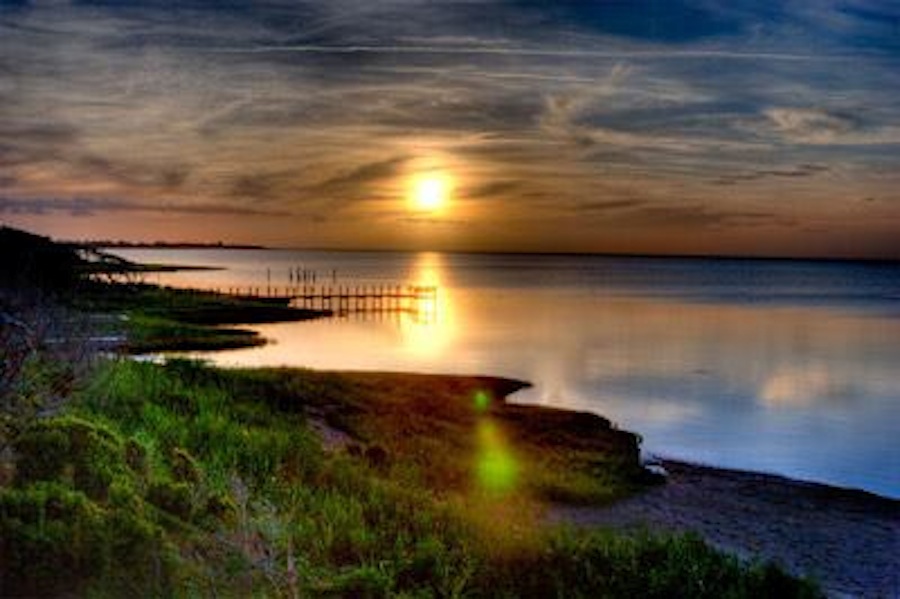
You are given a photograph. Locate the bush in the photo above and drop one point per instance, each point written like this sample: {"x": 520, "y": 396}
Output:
{"x": 600, "y": 565}
{"x": 55, "y": 539}
{"x": 85, "y": 455}
{"x": 49, "y": 536}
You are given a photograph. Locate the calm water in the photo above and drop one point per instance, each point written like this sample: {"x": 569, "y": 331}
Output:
{"x": 779, "y": 366}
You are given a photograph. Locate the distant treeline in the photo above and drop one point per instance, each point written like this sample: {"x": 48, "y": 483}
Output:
{"x": 33, "y": 261}
{"x": 107, "y": 243}
{"x": 30, "y": 262}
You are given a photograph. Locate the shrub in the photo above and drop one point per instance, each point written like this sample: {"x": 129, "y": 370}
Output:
{"x": 55, "y": 539}
{"x": 84, "y": 454}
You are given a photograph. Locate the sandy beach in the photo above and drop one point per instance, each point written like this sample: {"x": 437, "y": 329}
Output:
{"x": 849, "y": 541}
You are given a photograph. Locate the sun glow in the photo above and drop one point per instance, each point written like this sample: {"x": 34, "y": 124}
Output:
{"x": 430, "y": 192}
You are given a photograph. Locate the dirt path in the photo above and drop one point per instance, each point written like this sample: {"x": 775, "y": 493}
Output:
{"x": 848, "y": 540}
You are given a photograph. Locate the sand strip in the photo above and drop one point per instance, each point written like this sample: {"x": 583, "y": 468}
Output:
{"x": 847, "y": 540}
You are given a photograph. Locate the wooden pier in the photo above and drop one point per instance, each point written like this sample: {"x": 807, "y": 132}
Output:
{"x": 344, "y": 299}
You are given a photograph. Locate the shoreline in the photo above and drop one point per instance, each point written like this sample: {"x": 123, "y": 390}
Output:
{"x": 846, "y": 539}
{"x": 663, "y": 460}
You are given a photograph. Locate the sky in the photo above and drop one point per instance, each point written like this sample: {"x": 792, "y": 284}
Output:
{"x": 743, "y": 127}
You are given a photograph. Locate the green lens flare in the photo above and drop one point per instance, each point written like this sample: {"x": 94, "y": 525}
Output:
{"x": 496, "y": 467}
{"x": 482, "y": 401}
{"x": 497, "y": 470}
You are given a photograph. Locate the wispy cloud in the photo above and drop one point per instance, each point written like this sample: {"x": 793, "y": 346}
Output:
{"x": 606, "y": 206}
{"x": 353, "y": 178}
{"x": 821, "y": 127}
{"x": 559, "y": 120}
{"x": 528, "y": 53}
{"x": 95, "y": 206}
{"x": 797, "y": 172}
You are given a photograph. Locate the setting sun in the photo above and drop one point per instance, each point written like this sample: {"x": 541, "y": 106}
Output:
{"x": 430, "y": 192}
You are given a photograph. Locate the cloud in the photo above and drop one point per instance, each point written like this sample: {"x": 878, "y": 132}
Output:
{"x": 492, "y": 189}
{"x": 609, "y": 205}
{"x": 432, "y": 221}
{"x": 691, "y": 216}
{"x": 23, "y": 143}
{"x": 94, "y": 206}
{"x": 821, "y": 127}
{"x": 551, "y": 110}
{"x": 359, "y": 176}
{"x": 797, "y": 172}
{"x": 260, "y": 186}
{"x": 523, "y": 52}
{"x": 811, "y": 125}
{"x": 131, "y": 173}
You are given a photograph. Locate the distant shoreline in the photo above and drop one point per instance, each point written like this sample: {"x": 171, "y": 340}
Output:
{"x": 638, "y": 256}
{"x": 162, "y": 245}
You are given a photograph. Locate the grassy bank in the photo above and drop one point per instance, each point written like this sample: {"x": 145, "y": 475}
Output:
{"x": 182, "y": 480}
{"x": 163, "y": 318}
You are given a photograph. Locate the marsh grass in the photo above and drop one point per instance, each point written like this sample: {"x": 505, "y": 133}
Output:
{"x": 148, "y": 334}
{"x": 182, "y": 480}
{"x": 170, "y": 319}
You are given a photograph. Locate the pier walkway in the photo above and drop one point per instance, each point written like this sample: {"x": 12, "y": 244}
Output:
{"x": 345, "y": 298}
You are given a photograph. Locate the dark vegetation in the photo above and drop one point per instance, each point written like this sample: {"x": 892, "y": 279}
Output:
{"x": 122, "y": 478}
{"x": 36, "y": 270}
{"x": 159, "y": 319}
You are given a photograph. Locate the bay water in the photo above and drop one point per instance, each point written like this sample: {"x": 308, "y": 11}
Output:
{"x": 789, "y": 367}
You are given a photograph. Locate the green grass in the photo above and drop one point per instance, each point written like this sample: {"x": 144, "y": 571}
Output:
{"x": 182, "y": 480}
{"x": 168, "y": 319}
{"x": 153, "y": 333}
{"x": 445, "y": 430}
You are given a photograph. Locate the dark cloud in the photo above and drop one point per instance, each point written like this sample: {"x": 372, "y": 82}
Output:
{"x": 352, "y": 179}
{"x": 173, "y": 177}
{"x": 696, "y": 216}
{"x": 492, "y": 189}
{"x": 608, "y": 205}
{"x": 93, "y": 206}
{"x": 130, "y": 172}
{"x": 30, "y": 142}
{"x": 261, "y": 186}
{"x": 798, "y": 172}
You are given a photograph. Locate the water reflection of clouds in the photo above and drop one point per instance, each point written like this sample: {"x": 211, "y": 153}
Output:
{"x": 699, "y": 352}
{"x": 805, "y": 385}
{"x": 753, "y": 387}
{"x": 799, "y": 387}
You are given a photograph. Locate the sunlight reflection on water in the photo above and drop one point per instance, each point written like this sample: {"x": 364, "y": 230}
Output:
{"x": 428, "y": 329}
